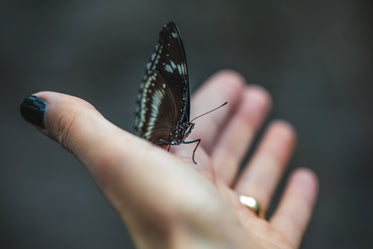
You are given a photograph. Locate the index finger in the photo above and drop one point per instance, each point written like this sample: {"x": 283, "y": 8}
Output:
{"x": 224, "y": 86}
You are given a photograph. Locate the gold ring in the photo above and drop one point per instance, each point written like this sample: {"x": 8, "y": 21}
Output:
{"x": 252, "y": 204}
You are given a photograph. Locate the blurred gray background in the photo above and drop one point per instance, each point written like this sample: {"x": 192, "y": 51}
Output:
{"x": 315, "y": 57}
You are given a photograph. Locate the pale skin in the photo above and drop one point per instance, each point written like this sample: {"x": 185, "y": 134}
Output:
{"x": 165, "y": 200}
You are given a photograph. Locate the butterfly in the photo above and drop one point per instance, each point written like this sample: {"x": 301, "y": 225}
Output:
{"x": 163, "y": 101}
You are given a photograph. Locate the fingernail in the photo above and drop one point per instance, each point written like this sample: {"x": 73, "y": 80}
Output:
{"x": 33, "y": 109}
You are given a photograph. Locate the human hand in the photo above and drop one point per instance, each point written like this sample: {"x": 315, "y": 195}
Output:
{"x": 167, "y": 201}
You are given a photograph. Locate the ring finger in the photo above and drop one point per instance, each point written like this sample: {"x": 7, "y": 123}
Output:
{"x": 261, "y": 176}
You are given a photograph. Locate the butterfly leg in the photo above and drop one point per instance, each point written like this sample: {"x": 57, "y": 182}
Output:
{"x": 195, "y": 148}
{"x": 166, "y": 143}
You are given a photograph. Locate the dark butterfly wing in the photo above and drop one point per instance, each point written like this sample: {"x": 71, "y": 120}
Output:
{"x": 173, "y": 67}
{"x": 167, "y": 75}
{"x": 152, "y": 122}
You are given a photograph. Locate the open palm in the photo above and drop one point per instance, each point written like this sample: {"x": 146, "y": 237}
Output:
{"x": 167, "y": 201}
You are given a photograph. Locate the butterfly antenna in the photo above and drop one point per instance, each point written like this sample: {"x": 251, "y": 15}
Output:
{"x": 209, "y": 111}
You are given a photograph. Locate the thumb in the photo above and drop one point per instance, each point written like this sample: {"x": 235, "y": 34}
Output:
{"x": 123, "y": 166}
{"x": 83, "y": 131}
{"x": 71, "y": 121}
{"x": 77, "y": 126}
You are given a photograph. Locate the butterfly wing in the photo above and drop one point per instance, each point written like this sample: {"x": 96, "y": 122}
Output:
{"x": 156, "y": 106}
{"x": 173, "y": 68}
{"x": 163, "y": 100}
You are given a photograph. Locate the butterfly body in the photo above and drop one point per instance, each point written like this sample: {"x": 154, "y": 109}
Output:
{"x": 163, "y": 103}
{"x": 180, "y": 133}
